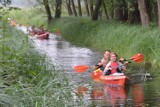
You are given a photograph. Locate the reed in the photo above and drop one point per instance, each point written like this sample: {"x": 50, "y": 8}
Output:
{"x": 28, "y": 79}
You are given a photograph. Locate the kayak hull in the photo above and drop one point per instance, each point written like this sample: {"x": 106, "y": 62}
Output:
{"x": 43, "y": 36}
{"x": 120, "y": 80}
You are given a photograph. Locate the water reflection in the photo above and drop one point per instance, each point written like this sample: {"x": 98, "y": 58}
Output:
{"x": 97, "y": 92}
{"x": 81, "y": 90}
{"x": 138, "y": 95}
{"x": 115, "y": 95}
{"x": 104, "y": 95}
{"x": 64, "y": 54}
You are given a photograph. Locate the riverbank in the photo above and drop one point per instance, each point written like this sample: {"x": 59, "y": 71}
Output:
{"x": 100, "y": 35}
{"x": 28, "y": 78}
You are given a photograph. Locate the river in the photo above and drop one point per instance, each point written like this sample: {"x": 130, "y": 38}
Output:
{"x": 144, "y": 92}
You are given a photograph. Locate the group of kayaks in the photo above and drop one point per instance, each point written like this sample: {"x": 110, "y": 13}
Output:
{"x": 118, "y": 79}
{"x": 39, "y": 33}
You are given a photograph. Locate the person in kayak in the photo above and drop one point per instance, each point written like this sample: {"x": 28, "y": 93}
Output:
{"x": 114, "y": 66}
{"x": 102, "y": 64}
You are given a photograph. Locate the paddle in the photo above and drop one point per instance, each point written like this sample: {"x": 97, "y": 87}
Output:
{"x": 82, "y": 68}
{"x": 137, "y": 58}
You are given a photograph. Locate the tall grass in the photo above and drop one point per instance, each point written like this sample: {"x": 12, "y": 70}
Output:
{"x": 27, "y": 78}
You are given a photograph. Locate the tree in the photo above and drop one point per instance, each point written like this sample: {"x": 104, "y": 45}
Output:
{"x": 143, "y": 13}
{"x": 48, "y": 11}
{"x": 96, "y": 11}
{"x": 79, "y": 8}
{"x": 105, "y": 10}
{"x": 158, "y": 3}
{"x": 133, "y": 13}
{"x": 91, "y": 7}
{"x": 87, "y": 9}
{"x": 74, "y": 8}
{"x": 58, "y": 9}
{"x": 68, "y": 3}
{"x": 120, "y": 10}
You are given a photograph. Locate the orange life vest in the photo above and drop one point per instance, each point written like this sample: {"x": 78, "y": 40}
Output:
{"x": 114, "y": 66}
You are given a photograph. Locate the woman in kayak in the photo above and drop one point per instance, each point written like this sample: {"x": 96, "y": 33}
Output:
{"x": 102, "y": 64}
{"x": 114, "y": 66}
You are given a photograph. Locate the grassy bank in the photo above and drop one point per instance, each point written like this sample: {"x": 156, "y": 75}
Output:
{"x": 27, "y": 78}
{"x": 124, "y": 39}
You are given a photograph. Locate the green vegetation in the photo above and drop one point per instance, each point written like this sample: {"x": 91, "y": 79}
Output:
{"x": 27, "y": 78}
{"x": 25, "y": 83}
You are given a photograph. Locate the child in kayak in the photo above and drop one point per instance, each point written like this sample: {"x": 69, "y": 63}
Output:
{"x": 114, "y": 66}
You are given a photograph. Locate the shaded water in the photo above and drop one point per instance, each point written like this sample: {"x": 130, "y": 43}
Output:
{"x": 66, "y": 56}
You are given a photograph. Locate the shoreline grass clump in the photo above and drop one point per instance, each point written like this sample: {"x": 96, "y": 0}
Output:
{"x": 27, "y": 78}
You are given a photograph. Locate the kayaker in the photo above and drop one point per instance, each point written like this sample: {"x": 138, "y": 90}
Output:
{"x": 114, "y": 66}
{"x": 102, "y": 64}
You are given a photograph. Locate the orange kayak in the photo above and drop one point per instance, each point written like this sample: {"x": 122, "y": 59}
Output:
{"x": 120, "y": 80}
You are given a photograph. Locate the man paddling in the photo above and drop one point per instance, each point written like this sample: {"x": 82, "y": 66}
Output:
{"x": 102, "y": 64}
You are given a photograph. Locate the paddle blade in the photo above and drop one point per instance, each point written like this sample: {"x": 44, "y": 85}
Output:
{"x": 138, "y": 57}
{"x": 81, "y": 68}
{"x": 96, "y": 75}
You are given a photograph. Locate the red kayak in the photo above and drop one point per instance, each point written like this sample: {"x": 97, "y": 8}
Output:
{"x": 120, "y": 80}
{"x": 43, "y": 36}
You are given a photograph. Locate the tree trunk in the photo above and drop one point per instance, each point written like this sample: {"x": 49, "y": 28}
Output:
{"x": 112, "y": 9}
{"x": 91, "y": 7}
{"x": 121, "y": 13}
{"x": 158, "y": 3}
{"x": 58, "y": 9}
{"x": 87, "y": 9}
{"x": 79, "y": 8}
{"x": 105, "y": 9}
{"x": 48, "y": 11}
{"x": 68, "y": 2}
{"x": 95, "y": 14}
{"x": 133, "y": 13}
{"x": 74, "y": 8}
{"x": 143, "y": 13}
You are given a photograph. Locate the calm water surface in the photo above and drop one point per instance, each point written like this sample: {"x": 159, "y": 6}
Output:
{"x": 94, "y": 94}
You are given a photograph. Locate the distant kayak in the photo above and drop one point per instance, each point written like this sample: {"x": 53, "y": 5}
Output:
{"x": 43, "y": 36}
{"x": 39, "y": 33}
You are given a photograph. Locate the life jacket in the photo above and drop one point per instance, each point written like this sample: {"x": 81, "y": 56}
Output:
{"x": 114, "y": 66}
